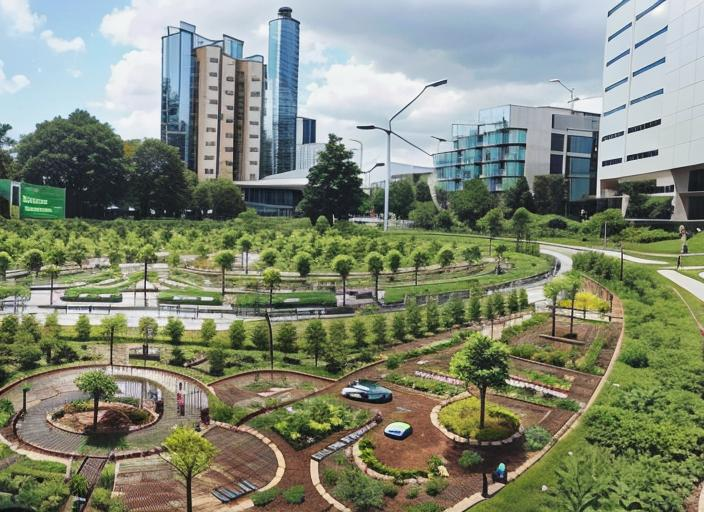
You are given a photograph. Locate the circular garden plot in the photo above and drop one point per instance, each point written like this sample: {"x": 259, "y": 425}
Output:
{"x": 462, "y": 418}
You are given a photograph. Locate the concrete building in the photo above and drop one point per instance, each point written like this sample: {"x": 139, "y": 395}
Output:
{"x": 212, "y": 104}
{"x": 511, "y": 141}
{"x": 282, "y": 94}
{"x": 307, "y": 154}
{"x": 653, "y": 121}
{"x": 305, "y": 130}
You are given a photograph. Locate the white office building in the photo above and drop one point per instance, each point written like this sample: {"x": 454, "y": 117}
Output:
{"x": 652, "y": 126}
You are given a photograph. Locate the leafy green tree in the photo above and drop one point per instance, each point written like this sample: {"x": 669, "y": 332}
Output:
{"x": 572, "y": 285}
{"x": 379, "y": 331}
{"x": 221, "y": 196}
{"x": 83, "y": 328}
{"x": 8, "y": 328}
{"x": 472, "y": 254}
{"x": 401, "y": 198}
{"x": 147, "y": 255}
{"x": 208, "y": 330}
{"x": 420, "y": 258}
{"x": 224, "y": 260}
{"x": 260, "y": 336}
{"x": 499, "y": 253}
{"x": 315, "y": 339}
{"x": 30, "y": 326}
{"x": 174, "y": 329}
{"x": 190, "y": 454}
{"x": 52, "y": 329}
{"x": 7, "y": 164}
{"x": 472, "y": 202}
{"x": 178, "y": 358}
{"x": 393, "y": 260}
{"x": 552, "y": 291}
{"x": 489, "y": 311}
{"x": 337, "y": 332}
{"x": 286, "y": 337}
{"x": 111, "y": 326}
{"x": 549, "y": 192}
{"x": 499, "y": 304}
{"x": 475, "y": 308}
{"x": 246, "y": 246}
{"x": 237, "y": 334}
{"x": 53, "y": 272}
{"x": 375, "y": 265}
{"x": 100, "y": 386}
{"x": 523, "y": 299}
{"x": 33, "y": 260}
{"x": 446, "y": 256}
{"x": 303, "y": 262}
{"x": 398, "y": 326}
{"x": 512, "y": 303}
{"x": 343, "y": 264}
{"x": 444, "y": 220}
{"x": 5, "y": 262}
{"x": 335, "y": 355}
{"x": 519, "y": 196}
{"x": 148, "y": 329}
{"x": 424, "y": 215}
{"x": 322, "y": 224}
{"x": 455, "y": 311}
{"x": 157, "y": 180}
{"x": 413, "y": 318}
{"x": 80, "y": 154}
{"x": 359, "y": 332}
{"x": 334, "y": 184}
{"x": 423, "y": 192}
{"x": 269, "y": 256}
{"x": 216, "y": 361}
{"x": 77, "y": 252}
{"x": 27, "y": 354}
{"x": 520, "y": 222}
{"x": 492, "y": 224}
{"x": 46, "y": 345}
{"x": 271, "y": 279}
{"x": 482, "y": 362}
{"x": 432, "y": 315}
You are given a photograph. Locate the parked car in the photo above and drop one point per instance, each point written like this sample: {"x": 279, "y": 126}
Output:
{"x": 398, "y": 430}
{"x": 367, "y": 391}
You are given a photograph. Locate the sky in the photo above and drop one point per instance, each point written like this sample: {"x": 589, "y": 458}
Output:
{"x": 360, "y": 61}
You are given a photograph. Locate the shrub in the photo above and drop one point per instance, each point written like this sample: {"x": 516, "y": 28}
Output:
{"x": 83, "y": 328}
{"x": 435, "y": 486}
{"x": 363, "y": 492}
{"x": 469, "y": 459}
{"x": 635, "y": 355}
{"x": 6, "y": 411}
{"x": 177, "y": 357}
{"x": 524, "y": 350}
{"x": 78, "y": 486}
{"x": 393, "y": 362}
{"x": 263, "y": 498}
{"x": 330, "y": 477}
{"x": 216, "y": 358}
{"x": 389, "y": 489}
{"x": 138, "y": 416}
{"x": 412, "y": 492}
{"x": 434, "y": 463}
{"x": 366, "y": 449}
{"x": 295, "y": 494}
{"x": 101, "y": 499}
{"x": 536, "y": 438}
{"x": 107, "y": 477}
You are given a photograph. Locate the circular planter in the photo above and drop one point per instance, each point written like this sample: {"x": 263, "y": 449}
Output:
{"x": 102, "y": 407}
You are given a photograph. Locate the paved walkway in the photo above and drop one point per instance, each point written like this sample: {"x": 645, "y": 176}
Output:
{"x": 690, "y": 284}
{"x": 574, "y": 249}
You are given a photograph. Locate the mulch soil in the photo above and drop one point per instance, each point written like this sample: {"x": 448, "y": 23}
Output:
{"x": 233, "y": 390}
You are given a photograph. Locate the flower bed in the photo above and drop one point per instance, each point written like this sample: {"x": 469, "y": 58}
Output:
{"x": 462, "y": 418}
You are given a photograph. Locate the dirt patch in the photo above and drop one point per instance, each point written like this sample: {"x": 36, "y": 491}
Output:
{"x": 252, "y": 388}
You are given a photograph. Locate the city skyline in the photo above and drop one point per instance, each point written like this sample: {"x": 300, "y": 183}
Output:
{"x": 343, "y": 78}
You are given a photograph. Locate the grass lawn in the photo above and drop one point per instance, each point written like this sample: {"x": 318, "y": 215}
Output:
{"x": 191, "y": 296}
{"x": 88, "y": 294}
{"x": 462, "y": 418}
{"x": 287, "y": 300}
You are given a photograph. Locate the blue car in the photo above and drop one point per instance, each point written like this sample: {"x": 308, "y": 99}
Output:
{"x": 398, "y": 430}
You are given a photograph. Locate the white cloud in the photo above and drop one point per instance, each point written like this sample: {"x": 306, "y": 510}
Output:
{"x": 12, "y": 84}
{"x": 19, "y": 13}
{"x": 139, "y": 124}
{"x": 74, "y": 72}
{"x": 58, "y": 45}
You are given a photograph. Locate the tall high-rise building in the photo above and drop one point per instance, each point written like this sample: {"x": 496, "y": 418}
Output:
{"x": 282, "y": 94}
{"x": 653, "y": 123}
{"x": 212, "y": 104}
{"x": 305, "y": 130}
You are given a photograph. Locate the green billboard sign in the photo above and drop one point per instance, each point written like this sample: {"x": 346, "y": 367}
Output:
{"x": 42, "y": 202}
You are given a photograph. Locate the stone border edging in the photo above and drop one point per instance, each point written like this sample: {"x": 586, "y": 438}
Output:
{"x": 357, "y": 456}
{"x": 435, "y": 420}
{"x": 315, "y": 478}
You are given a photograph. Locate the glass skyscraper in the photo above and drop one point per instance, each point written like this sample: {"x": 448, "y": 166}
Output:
{"x": 282, "y": 94}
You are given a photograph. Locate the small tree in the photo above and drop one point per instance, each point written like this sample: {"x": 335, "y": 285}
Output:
{"x": 420, "y": 258}
{"x": 520, "y": 222}
{"x": 30, "y": 326}
{"x": 77, "y": 252}
{"x": 359, "y": 333}
{"x": 472, "y": 254}
{"x": 523, "y": 299}
{"x": 271, "y": 279}
{"x": 375, "y": 264}
{"x": 268, "y": 257}
{"x": 499, "y": 256}
{"x": 492, "y": 223}
{"x": 343, "y": 264}
{"x": 216, "y": 361}
{"x": 5, "y": 262}
{"x": 552, "y": 291}
{"x": 393, "y": 259}
{"x": 482, "y": 362}
{"x": 52, "y": 329}
{"x": 147, "y": 255}
{"x": 334, "y": 355}
{"x": 337, "y": 332}
{"x": 398, "y": 326}
{"x": 379, "y": 330}
{"x": 286, "y": 337}
{"x": 174, "y": 329}
{"x": 432, "y": 315}
{"x": 315, "y": 339}
{"x": 512, "y": 303}
{"x": 83, "y": 328}
{"x": 148, "y": 328}
{"x": 237, "y": 334}
{"x": 303, "y": 262}
{"x": 260, "y": 336}
{"x": 572, "y": 286}
{"x": 490, "y": 312}
{"x": 33, "y": 260}
{"x": 475, "y": 308}
{"x": 53, "y": 272}
{"x": 413, "y": 318}
{"x": 208, "y": 330}
{"x": 446, "y": 256}
{"x": 455, "y": 311}
{"x": 100, "y": 386}
{"x": 499, "y": 304}
{"x": 246, "y": 246}
{"x": 189, "y": 454}
{"x": 111, "y": 326}
{"x": 224, "y": 260}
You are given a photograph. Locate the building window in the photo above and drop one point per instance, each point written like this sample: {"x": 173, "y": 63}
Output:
{"x": 649, "y": 66}
{"x": 209, "y": 171}
{"x": 696, "y": 181}
{"x": 228, "y": 163}
{"x": 253, "y": 162}
{"x": 229, "y": 135}
{"x": 252, "y": 177}
{"x": 212, "y": 116}
{"x": 557, "y": 142}
{"x": 254, "y": 123}
{"x": 210, "y": 130}
{"x": 620, "y": 31}
{"x": 253, "y": 136}
{"x": 650, "y": 9}
{"x": 254, "y": 149}
{"x": 213, "y": 102}
{"x": 229, "y": 150}
{"x": 256, "y": 79}
{"x": 578, "y": 166}
{"x": 613, "y": 161}
{"x": 614, "y": 110}
{"x": 209, "y": 157}
{"x": 616, "y": 84}
{"x": 230, "y": 93}
{"x": 578, "y": 144}
{"x": 254, "y": 109}
{"x": 647, "y": 96}
{"x": 209, "y": 143}
{"x": 644, "y": 126}
{"x": 255, "y": 94}
{"x": 229, "y": 120}
{"x": 214, "y": 60}
{"x": 613, "y": 136}
{"x": 640, "y": 156}
{"x": 213, "y": 87}
{"x": 230, "y": 107}
{"x": 230, "y": 78}
{"x": 618, "y": 57}
{"x": 213, "y": 74}
{"x": 555, "y": 164}
{"x": 617, "y": 7}
{"x": 651, "y": 37}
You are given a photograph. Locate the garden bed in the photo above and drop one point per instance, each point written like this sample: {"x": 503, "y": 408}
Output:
{"x": 77, "y": 417}
{"x": 287, "y": 300}
{"x": 462, "y": 419}
{"x": 92, "y": 295}
{"x": 191, "y": 297}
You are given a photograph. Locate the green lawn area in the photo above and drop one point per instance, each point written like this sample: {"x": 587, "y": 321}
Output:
{"x": 91, "y": 294}
{"x": 287, "y": 300}
{"x": 192, "y": 296}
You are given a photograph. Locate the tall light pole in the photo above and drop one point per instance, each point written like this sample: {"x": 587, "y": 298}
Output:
{"x": 388, "y": 132}
{"x": 361, "y": 155}
{"x": 573, "y": 98}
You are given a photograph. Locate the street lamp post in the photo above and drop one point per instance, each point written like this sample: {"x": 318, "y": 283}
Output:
{"x": 573, "y": 98}
{"x": 388, "y": 132}
{"x": 361, "y": 153}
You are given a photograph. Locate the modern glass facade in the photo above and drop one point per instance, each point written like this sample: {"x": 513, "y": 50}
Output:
{"x": 493, "y": 152}
{"x": 282, "y": 94}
